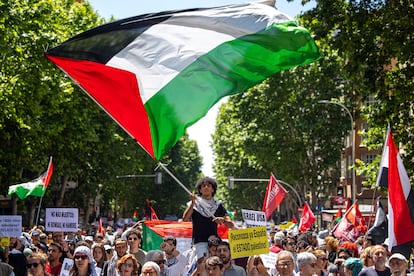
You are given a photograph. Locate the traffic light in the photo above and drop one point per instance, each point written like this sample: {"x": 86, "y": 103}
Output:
{"x": 230, "y": 182}
{"x": 158, "y": 178}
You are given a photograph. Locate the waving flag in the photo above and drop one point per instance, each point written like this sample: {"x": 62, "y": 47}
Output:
{"x": 275, "y": 193}
{"x": 307, "y": 219}
{"x": 393, "y": 175}
{"x": 338, "y": 215}
{"x": 356, "y": 218}
{"x": 36, "y": 187}
{"x": 345, "y": 231}
{"x": 379, "y": 230}
{"x": 152, "y": 211}
{"x": 157, "y": 74}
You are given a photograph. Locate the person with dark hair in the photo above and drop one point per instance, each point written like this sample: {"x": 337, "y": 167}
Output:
{"x": 175, "y": 261}
{"x": 214, "y": 266}
{"x": 134, "y": 239}
{"x": 55, "y": 258}
{"x": 230, "y": 269}
{"x": 205, "y": 213}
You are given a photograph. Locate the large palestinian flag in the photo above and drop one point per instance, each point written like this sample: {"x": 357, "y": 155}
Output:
{"x": 157, "y": 74}
{"x": 153, "y": 232}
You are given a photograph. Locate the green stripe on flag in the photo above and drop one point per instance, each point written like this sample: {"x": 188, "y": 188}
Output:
{"x": 27, "y": 189}
{"x": 150, "y": 239}
{"x": 230, "y": 68}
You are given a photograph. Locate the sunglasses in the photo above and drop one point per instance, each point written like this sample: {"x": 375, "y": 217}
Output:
{"x": 127, "y": 265}
{"x": 283, "y": 264}
{"x": 160, "y": 262}
{"x": 323, "y": 259}
{"x": 81, "y": 256}
{"x": 32, "y": 264}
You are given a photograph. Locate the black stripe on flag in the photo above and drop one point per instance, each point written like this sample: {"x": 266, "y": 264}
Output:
{"x": 100, "y": 44}
{"x": 410, "y": 203}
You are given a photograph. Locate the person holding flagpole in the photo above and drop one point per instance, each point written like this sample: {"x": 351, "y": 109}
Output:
{"x": 206, "y": 214}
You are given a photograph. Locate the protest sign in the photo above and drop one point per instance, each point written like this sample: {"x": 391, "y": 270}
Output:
{"x": 253, "y": 218}
{"x": 248, "y": 242}
{"x": 10, "y": 226}
{"x": 61, "y": 219}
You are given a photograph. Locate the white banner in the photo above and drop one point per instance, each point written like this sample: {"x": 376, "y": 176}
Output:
{"x": 253, "y": 218}
{"x": 61, "y": 219}
{"x": 10, "y": 226}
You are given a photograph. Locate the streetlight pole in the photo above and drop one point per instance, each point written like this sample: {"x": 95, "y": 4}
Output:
{"x": 353, "y": 194}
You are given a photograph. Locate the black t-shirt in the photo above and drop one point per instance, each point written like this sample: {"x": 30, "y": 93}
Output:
{"x": 205, "y": 227}
{"x": 371, "y": 271}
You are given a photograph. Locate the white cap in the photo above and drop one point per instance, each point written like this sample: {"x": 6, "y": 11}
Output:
{"x": 88, "y": 238}
{"x": 398, "y": 256}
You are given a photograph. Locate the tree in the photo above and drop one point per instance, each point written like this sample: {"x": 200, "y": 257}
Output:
{"x": 279, "y": 126}
{"x": 375, "y": 39}
{"x": 46, "y": 114}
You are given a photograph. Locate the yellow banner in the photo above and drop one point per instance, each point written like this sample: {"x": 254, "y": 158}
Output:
{"x": 248, "y": 242}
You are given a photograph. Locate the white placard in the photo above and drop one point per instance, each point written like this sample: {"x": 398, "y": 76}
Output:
{"x": 269, "y": 260}
{"x": 66, "y": 266}
{"x": 253, "y": 218}
{"x": 61, "y": 219}
{"x": 10, "y": 226}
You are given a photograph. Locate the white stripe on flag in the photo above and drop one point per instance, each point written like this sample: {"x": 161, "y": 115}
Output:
{"x": 177, "y": 39}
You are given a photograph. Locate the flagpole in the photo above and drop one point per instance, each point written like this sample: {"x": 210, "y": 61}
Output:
{"x": 185, "y": 188}
{"x": 38, "y": 210}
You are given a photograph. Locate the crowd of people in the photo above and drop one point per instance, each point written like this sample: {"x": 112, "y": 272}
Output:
{"x": 37, "y": 253}
{"x": 119, "y": 253}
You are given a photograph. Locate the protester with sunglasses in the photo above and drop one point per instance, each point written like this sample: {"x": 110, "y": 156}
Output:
{"x": 84, "y": 264}
{"x": 307, "y": 264}
{"x": 321, "y": 262}
{"x": 55, "y": 259}
{"x": 134, "y": 239}
{"x": 128, "y": 266}
{"x": 36, "y": 264}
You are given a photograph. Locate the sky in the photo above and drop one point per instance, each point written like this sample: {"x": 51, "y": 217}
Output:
{"x": 204, "y": 128}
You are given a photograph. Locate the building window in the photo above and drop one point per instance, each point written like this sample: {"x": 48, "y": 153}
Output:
{"x": 368, "y": 158}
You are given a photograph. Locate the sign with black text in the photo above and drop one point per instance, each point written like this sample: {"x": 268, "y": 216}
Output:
{"x": 61, "y": 219}
{"x": 10, "y": 226}
{"x": 253, "y": 218}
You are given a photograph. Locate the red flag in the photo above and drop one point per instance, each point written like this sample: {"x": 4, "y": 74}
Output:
{"x": 307, "y": 218}
{"x": 153, "y": 214}
{"x": 274, "y": 195}
{"x": 294, "y": 220}
{"x": 345, "y": 231}
{"x": 338, "y": 215}
{"x": 100, "y": 227}
{"x": 356, "y": 218}
{"x": 400, "y": 195}
{"x": 135, "y": 215}
{"x": 48, "y": 174}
